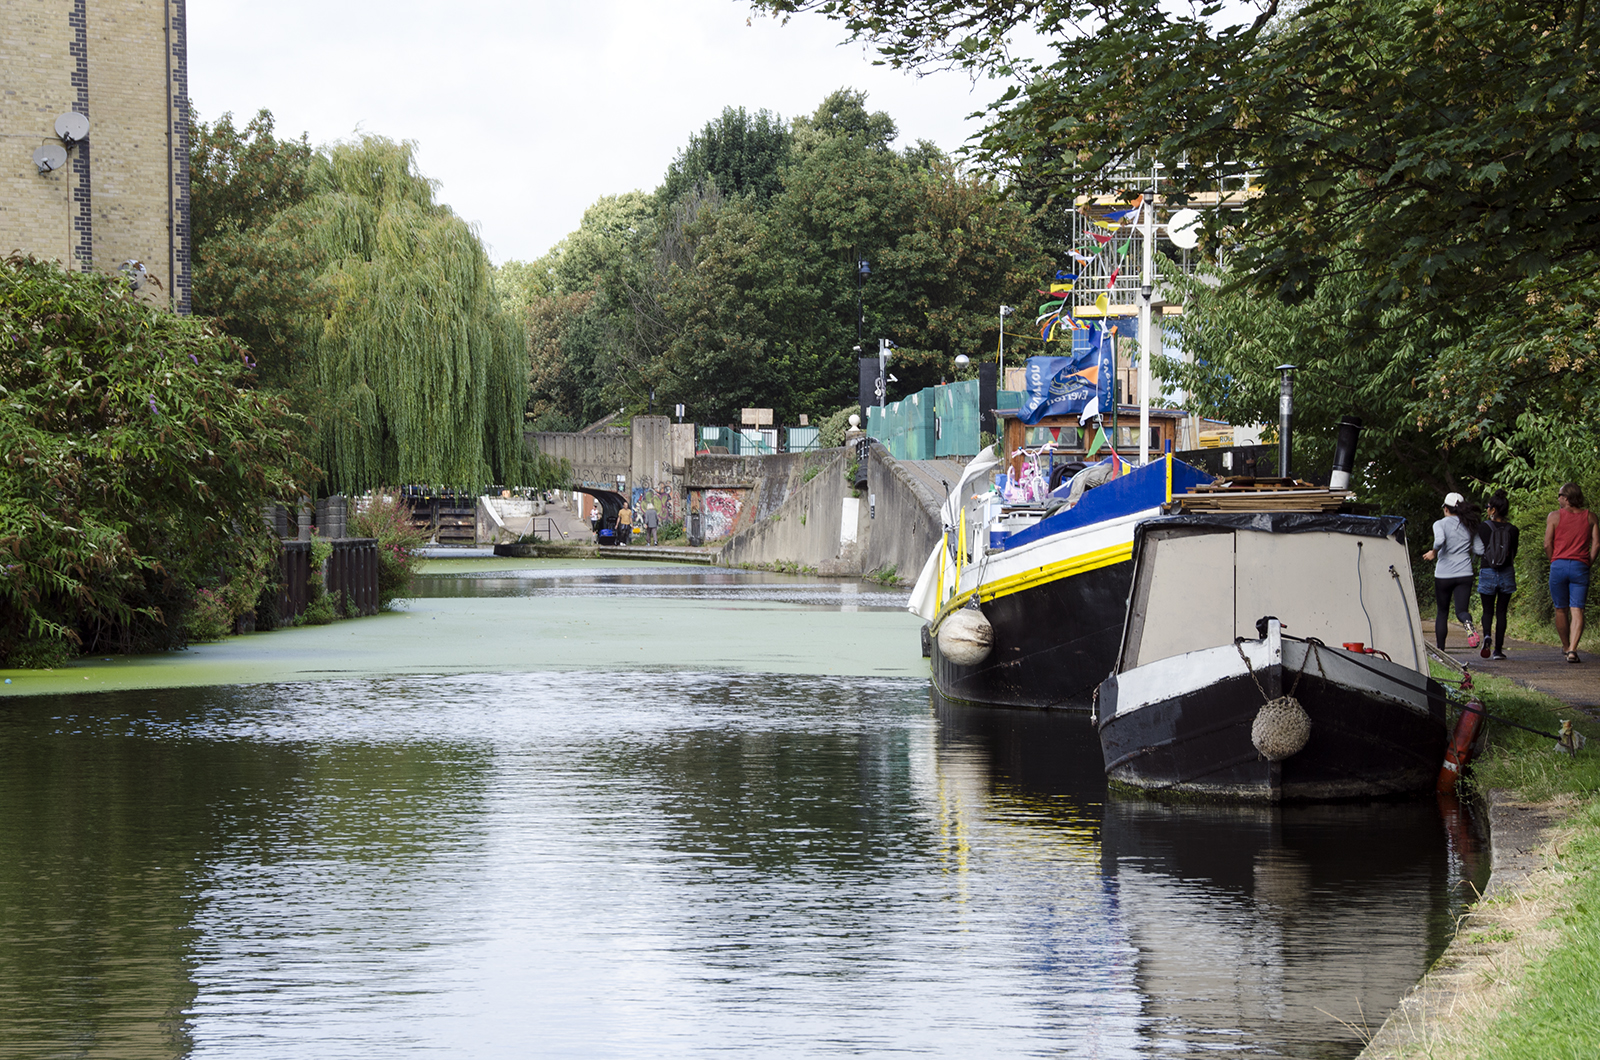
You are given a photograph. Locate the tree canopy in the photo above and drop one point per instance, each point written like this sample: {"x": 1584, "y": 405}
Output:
{"x": 1424, "y": 187}
{"x": 738, "y": 286}
{"x": 368, "y": 303}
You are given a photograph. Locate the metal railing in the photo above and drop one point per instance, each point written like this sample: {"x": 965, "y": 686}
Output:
{"x": 552, "y": 529}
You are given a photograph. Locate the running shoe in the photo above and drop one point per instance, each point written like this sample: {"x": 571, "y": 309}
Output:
{"x": 1484, "y": 652}
{"x": 1472, "y": 634}
{"x": 1498, "y": 655}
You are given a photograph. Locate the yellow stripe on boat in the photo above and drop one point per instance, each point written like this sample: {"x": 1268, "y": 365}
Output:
{"x": 1066, "y": 568}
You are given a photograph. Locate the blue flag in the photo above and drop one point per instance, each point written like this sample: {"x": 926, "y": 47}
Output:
{"x": 1065, "y": 386}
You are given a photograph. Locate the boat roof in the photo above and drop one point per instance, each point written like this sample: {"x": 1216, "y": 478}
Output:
{"x": 1280, "y": 523}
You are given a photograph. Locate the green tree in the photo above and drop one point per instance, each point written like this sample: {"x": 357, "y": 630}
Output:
{"x": 256, "y": 269}
{"x": 137, "y": 459}
{"x": 428, "y": 373}
{"x": 739, "y": 153}
{"x": 1436, "y": 162}
{"x": 725, "y": 297}
{"x": 1446, "y": 148}
{"x": 1233, "y": 341}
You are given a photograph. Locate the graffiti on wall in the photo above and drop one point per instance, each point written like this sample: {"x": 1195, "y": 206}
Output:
{"x": 721, "y": 511}
{"x": 664, "y": 497}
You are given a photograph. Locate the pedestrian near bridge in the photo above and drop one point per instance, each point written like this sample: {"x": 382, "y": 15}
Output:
{"x": 651, "y": 522}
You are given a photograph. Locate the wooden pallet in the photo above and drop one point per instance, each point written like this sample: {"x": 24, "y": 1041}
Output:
{"x": 1261, "y": 495}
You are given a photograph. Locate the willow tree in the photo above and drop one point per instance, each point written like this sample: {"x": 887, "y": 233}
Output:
{"x": 420, "y": 371}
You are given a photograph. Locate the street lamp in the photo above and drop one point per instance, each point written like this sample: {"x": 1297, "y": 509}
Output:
{"x": 1005, "y": 311}
{"x": 863, "y": 270}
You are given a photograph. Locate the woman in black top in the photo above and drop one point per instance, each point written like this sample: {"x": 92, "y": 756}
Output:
{"x": 1497, "y": 578}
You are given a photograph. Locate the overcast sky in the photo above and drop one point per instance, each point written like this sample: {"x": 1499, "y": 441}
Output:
{"x": 526, "y": 111}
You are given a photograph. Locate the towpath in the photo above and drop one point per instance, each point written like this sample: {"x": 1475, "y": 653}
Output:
{"x": 1538, "y": 666}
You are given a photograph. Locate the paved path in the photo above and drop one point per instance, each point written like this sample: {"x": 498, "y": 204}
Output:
{"x": 1537, "y": 666}
{"x": 939, "y": 476}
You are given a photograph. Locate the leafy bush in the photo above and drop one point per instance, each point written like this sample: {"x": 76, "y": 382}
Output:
{"x": 320, "y": 609}
{"x": 671, "y": 531}
{"x": 830, "y": 432}
{"x": 136, "y": 461}
{"x": 209, "y": 617}
{"x": 388, "y": 519}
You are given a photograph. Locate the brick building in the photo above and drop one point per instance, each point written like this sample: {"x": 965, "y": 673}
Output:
{"x": 123, "y": 194}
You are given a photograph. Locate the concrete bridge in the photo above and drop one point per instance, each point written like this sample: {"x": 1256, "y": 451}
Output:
{"x": 648, "y": 460}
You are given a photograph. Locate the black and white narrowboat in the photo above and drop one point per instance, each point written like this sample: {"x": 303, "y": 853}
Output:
{"x": 1272, "y": 655}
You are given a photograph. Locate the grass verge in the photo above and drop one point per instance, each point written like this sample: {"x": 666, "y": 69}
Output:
{"x": 1554, "y": 1012}
{"x": 1522, "y": 979}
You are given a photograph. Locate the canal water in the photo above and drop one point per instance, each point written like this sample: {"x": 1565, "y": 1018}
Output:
{"x": 644, "y": 863}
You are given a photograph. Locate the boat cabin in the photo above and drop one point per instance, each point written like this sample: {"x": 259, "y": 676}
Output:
{"x": 1060, "y": 441}
{"x": 1200, "y": 580}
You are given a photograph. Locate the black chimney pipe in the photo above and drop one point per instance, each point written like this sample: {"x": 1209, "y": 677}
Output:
{"x": 1344, "y": 452}
{"x": 1285, "y": 418}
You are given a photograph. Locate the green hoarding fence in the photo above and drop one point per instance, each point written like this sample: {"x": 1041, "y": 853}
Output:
{"x": 803, "y": 439}
{"x": 941, "y": 421}
{"x": 747, "y": 442}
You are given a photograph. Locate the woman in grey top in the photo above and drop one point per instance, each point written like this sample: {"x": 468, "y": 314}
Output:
{"x": 1455, "y": 539}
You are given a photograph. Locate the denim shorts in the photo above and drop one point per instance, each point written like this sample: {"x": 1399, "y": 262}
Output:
{"x": 1569, "y": 582}
{"x": 1492, "y": 582}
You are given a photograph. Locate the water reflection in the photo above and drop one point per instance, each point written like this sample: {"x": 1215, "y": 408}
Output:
{"x": 663, "y": 582}
{"x": 645, "y": 865}
{"x": 1262, "y": 931}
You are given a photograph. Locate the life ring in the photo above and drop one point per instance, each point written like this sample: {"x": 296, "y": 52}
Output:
{"x": 1459, "y": 754}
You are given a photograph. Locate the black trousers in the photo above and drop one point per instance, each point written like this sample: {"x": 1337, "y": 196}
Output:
{"x": 1446, "y": 590}
{"x": 1495, "y": 604}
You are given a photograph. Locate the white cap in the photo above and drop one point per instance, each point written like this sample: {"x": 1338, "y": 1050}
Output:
{"x": 1453, "y": 500}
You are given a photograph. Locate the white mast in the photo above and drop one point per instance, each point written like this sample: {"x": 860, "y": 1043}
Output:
{"x": 1146, "y": 291}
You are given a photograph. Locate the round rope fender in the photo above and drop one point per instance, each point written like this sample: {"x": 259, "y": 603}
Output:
{"x": 966, "y": 638}
{"x": 1281, "y": 728}
{"x": 1459, "y": 754}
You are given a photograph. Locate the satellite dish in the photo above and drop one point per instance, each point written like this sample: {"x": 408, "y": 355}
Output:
{"x": 1183, "y": 228}
{"x": 72, "y": 127}
{"x": 50, "y": 157}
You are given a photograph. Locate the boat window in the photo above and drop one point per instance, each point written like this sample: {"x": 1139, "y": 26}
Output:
{"x": 1183, "y": 599}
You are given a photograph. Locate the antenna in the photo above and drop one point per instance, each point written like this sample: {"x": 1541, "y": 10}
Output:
{"x": 72, "y": 127}
{"x": 49, "y": 157}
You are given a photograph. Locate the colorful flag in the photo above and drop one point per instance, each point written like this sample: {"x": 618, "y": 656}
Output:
{"x": 1096, "y": 444}
{"x": 1060, "y": 386}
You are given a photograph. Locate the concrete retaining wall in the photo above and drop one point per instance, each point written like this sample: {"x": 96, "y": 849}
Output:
{"x": 650, "y": 456}
{"x": 735, "y": 493}
{"x": 821, "y": 523}
{"x": 900, "y": 519}
{"x": 802, "y": 529}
